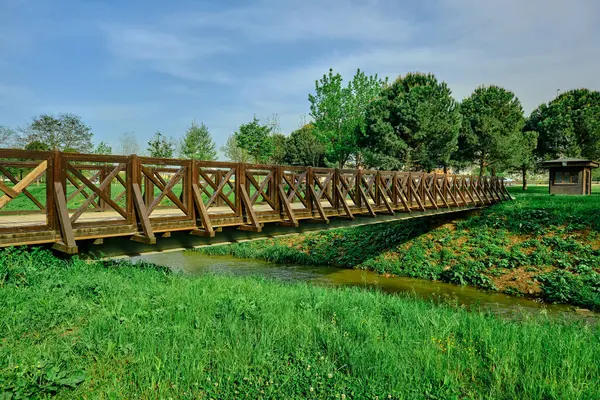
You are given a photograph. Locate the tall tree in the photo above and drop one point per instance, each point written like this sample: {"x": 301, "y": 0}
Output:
{"x": 279, "y": 143}
{"x": 128, "y": 144}
{"x": 304, "y": 148}
{"x": 197, "y": 144}
{"x": 568, "y": 126}
{"x": 7, "y": 136}
{"x": 233, "y": 152}
{"x": 256, "y": 139}
{"x": 492, "y": 124}
{"x": 103, "y": 148}
{"x": 524, "y": 158}
{"x": 160, "y": 146}
{"x": 413, "y": 122}
{"x": 66, "y": 132}
{"x": 339, "y": 112}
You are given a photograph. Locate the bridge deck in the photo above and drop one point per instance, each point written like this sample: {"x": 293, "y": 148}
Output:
{"x": 64, "y": 198}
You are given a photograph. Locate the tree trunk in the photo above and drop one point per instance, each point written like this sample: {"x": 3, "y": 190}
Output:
{"x": 524, "y": 169}
{"x": 493, "y": 171}
{"x": 445, "y": 169}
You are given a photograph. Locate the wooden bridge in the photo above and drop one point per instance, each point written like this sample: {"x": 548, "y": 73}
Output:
{"x": 62, "y": 198}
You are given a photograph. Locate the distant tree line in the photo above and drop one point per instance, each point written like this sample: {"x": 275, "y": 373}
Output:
{"x": 412, "y": 123}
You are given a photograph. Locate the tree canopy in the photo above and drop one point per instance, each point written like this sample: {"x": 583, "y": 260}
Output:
{"x": 569, "y": 125}
{"x": 160, "y": 146}
{"x": 339, "y": 113}
{"x": 413, "y": 122}
{"x": 255, "y": 138}
{"x": 103, "y": 148}
{"x": 491, "y": 128}
{"x": 128, "y": 144}
{"x": 66, "y": 133}
{"x": 233, "y": 152}
{"x": 304, "y": 148}
{"x": 7, "y": 136}
{"x": 197, "y": 144}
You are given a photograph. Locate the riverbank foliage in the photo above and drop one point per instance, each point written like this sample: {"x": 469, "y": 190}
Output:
{"x": 75, "y": 329}
{"x": 538, "y": 245}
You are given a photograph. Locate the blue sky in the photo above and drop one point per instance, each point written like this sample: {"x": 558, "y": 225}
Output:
{"x": 151, "y": 65}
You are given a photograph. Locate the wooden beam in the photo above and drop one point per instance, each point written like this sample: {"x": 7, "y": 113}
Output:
{"x": 385, "y": 200}
{"x": 8, "y": 190}
{"x": 25, "y": 191}
{"x": 317, "y": 203}
{"x": 140, "y": 209}
{"x": 251, "y": 214}
{"x": 342, "y": 200}
{"x": 363, "y": 195}
{"x": 204, "y": 217}
{"x": 67, "y": 245}
{"x": 30, "y": 177}
{"x": 287, "y": 206}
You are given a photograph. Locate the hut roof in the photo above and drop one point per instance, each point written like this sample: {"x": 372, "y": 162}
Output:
{"x": 571, "y": 162}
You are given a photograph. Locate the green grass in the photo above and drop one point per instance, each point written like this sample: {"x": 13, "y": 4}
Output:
{"x": 538, "y": 245}
{"x": 73, "y": 329}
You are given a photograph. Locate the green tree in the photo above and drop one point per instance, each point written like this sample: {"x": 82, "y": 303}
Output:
{"x": 255, "y": 138}
{"x": 568, "y": 126}
{"x": 37, "y": 146}
{"x": 339, "y": 113}
{"x": 233, "y": 152}
{"x": 491, "y": 129}
{"x": 103, "y": 148}
{"x": 413, "y": 122}
{"x": 279, "y": 143}
{"x": 160, "y": 146}
{"x": 197, "y": 144}
{"x": 304, "y": 148}
{"x": 524, "y": 154}
{"x": 7, "y": 136}
{"x": 66, "y": 132}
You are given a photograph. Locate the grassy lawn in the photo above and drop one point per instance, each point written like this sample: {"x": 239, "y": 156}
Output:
{"x": 538, "y": 245}
{"x": 72, "y": 329}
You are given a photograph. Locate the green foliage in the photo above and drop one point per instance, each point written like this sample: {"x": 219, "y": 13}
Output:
{"x": 414, "y": 122}
{"x": 37, "y": 146}
{"x": 491, "y": 128}
{"x": 160, "y": 146}
{"x": 103, "y": 148}
{"x": 255, "y": 138}
{"x": 304, "y": 148}
{"x": 339, "y": 113}
{"x": 566, "y": 287}
{"x": 233, "y": 152}
{"x": 569, "y": 125}
{"x": 66, "y": 132}
{"x": 77, "y": 329}
{"x": 197, "y": 144}
{"x": 280, "y": 149}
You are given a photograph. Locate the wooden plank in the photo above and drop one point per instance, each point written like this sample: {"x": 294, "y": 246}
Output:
{"x": 204, "y": 217}
{"x": 344, "y": 204}
{"x": 168, "y": 188}
{"x": 25, "y": 191}
{"x": 98, "y": 191}
{"x": 158, "y": 183}
{"x": 8, "y": 190}
{"x": 287, "y": 206}
{"x": 317, "y": 203}
{"x": 254, "y": 225}
{"x": 415, "y": 193}
{"x": 363, "y": 195}
{"x": 68, "y": 238}
{"x": 144, "y": 220}
{"x": 30, "y": 177}
{"x": 385, "y": 200}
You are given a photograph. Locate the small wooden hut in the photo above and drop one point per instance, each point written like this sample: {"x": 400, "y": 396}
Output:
{"x": 570, "y": 175}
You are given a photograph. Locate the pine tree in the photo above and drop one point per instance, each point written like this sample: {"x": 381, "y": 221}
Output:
{"x": 198, "y": 144}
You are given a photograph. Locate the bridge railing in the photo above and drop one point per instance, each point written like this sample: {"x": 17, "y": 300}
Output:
{"x": 63, "y": 197}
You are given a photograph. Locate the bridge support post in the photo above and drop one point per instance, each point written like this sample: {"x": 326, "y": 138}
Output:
{"x": 62, "y": 222}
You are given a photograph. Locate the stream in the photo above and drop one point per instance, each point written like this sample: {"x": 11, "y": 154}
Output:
{"x": 195, "y": 263}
